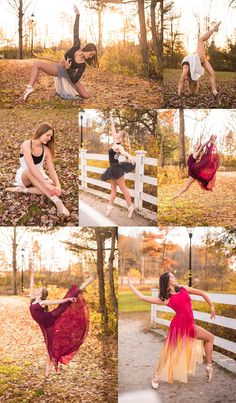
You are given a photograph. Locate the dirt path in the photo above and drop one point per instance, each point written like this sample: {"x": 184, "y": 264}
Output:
{"x": 108, "y": 90}
{"x": 138, "y": 353}
{"x": 196, "y": 206}
{"x": 118, "y": 214}
{"x": 90, "y": 377}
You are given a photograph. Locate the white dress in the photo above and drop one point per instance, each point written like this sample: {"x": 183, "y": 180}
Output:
{"x": 23, "y": 167}
{"x": 196, "y": 69}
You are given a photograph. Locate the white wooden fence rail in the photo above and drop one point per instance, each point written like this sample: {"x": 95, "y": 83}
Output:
{"x": 229, "y": 323}
{"x": 138, "y": 177}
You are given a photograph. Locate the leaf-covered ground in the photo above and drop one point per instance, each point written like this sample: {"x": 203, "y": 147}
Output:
{"x": 197, "y": 206}
{"x": 226, "y": 86}
{"x": 90, "y": 377}
{"x": 22, "y": 209}
{"x": 107, "y": 89}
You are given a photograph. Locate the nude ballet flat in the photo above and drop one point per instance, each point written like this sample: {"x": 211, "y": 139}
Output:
{"x": 209, "y": 371}
{"x": 155, "y": 383}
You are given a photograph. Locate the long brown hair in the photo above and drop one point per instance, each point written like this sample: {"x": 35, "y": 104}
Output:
{"x": 125, "y": 141}
{"x": 193, "y": 86}
{"x": 92, "y": 61}
{"x": 44, "y": 295}
{"x": 43, "y": 128}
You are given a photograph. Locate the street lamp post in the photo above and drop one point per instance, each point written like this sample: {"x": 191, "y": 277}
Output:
{"x": 22, "y": 269}
{"x": 190, "y": 234}
{"x": 81, "y": 113}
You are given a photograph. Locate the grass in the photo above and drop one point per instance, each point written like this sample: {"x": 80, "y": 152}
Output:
{"x": 128, "y": 302}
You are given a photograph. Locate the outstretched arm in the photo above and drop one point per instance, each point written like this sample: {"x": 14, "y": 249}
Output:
{"x": 182, "y": 79}
{"x": 86, "y": 283}
{"x": 57, "y": 302}
{"x": 195, "y": 291}
{"x": 151, "y": 300}
{"x": 113, "y": 129}
{"x": 126, "y": 155}
{"x": 76, "y": 26}
{"x": 32, "y": 296}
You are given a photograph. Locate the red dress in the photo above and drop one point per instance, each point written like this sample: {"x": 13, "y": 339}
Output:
{"x": 204, "y": 171}
{"x": 64, "y": 328}
{"x": 181, "y": 349}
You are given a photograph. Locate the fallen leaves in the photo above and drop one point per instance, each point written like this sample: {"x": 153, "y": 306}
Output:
{"x": 24, "y": 209}
{"x": 90, "y": 377}
{"x": 107, "y": 89}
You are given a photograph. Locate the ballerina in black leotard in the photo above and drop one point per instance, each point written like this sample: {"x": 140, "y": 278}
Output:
{"x": 70, "y": 70}
{"x": 115, "y": 173}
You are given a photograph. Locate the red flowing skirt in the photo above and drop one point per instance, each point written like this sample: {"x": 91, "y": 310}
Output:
{"x": 205, "y": 170}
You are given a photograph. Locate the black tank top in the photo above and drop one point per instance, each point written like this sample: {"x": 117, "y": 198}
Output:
{"x": 113, "y": 156}
{"x": 36, "y": 158}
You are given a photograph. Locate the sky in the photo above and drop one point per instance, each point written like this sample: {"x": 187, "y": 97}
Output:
{"x": 178, "y": 235}
{"x": 49, "y": 243}
{"x": 49, "y": 13}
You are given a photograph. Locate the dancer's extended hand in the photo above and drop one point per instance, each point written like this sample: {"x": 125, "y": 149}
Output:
{"x": 131, "y": 159}
{"x": 213, "y": 314}
{"x": 73, "y": 299}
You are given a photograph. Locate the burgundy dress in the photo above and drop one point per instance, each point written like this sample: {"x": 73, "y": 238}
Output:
{"x": 204, "y": 171}
{"x": 64, "y": 328}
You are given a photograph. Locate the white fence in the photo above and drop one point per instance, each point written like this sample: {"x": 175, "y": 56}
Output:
{"x": 229, "y": 323}
{"x": 138, "y": 177}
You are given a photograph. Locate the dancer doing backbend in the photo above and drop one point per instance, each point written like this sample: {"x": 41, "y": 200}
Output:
{"x": 195, "y": 65}
{"x": 30, "y": 177}
{"x": 65, "y": 327}
{"x": 183, "y": 347}
{"x": 115, "y": 173}
{"x": 70, "y": 70}
{"x": 202, "y": 166}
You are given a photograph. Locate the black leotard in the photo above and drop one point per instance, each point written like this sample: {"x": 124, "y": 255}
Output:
{"x": 75, "y": 70}
{"x": 36, "y": 158}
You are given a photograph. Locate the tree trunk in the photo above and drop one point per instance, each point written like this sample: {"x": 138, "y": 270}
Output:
{"x": 100, "y": 30}
{"x": 156, "y": 42}
{"x": 101, "y": 283}
{"x": 182, "y": 157}
{"x": 20, "y": 30}
{"x": 162, "y": 157}
{"x": 143, "y": 37}
{"x": 111, "y": 270}
{"x": 14, "y": 265}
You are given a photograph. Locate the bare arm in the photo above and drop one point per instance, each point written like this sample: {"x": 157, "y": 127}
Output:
{"x": 32, "y": 296}
{"x": 57, "y": 302}
{"x": 182, "y": 79}
{"x": 76, "y": 29}
{"x": 51, "y": 168}
{"x": 26, "y": 150}
{"x": 86, "y": 283}
{"x": 113, "y": 129}
{"x": 121, "y": 150}
{"x": 195, "y": 291}
{"x": 151, "y": 300}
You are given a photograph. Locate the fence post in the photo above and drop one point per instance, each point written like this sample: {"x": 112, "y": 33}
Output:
{"x": 153, "y": 306}
{"x": 138, "y": 185}
{"x": 83, "y": 161}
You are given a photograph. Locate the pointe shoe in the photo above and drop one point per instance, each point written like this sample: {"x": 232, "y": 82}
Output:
{"x": 155, "y": 383}
{"x": 27, "y": 92}
{"x": 209, "y": 371}
{"x": 130, "y": 210}
{"x": 62, "y": 209}
{"x": 109, "y": 208}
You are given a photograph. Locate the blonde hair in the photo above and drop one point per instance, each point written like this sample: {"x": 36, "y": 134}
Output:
{"x": 193, "y": 86}
{"x": 43, "y": 128}
{"x": 125, "y": 141}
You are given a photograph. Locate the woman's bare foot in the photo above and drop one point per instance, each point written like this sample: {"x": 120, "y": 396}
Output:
{"x": 76, "y": 10}
{"x": 86, "y": 282}
{"x": 216, "y": 26}
{"x": 48, "y": 370}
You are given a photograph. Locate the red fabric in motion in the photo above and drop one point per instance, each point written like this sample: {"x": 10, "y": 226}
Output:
{"x": 64, "y": 328}
{"x": 204, "y": 171}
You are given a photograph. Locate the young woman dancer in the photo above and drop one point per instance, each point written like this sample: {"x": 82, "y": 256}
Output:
{"x": 70, "y": 70}
{"x": 202, "y": 166}
{"x": 183, "y": 346}
{"x": 65, "y": 327}
{"x": 31, "y": 177}
{"x": 115, "y": 173}
{"x": 195, "y": 65}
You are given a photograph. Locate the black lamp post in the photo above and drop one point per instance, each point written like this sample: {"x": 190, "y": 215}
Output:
{"x": 190, "y": 234}
{"x": 22, "y": 269}
{"x": 81, "y": 115}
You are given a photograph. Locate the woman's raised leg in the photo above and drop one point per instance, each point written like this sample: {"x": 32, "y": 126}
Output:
{"x": 202, "y": 39}
{"x": 48, "y": 68}
{"x": 208, "y": 339}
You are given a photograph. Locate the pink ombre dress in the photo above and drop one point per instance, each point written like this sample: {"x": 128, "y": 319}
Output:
{"x": 205, "y": 170}
{"x": 64, "y": 328}
{"x": 181, "y": 350}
